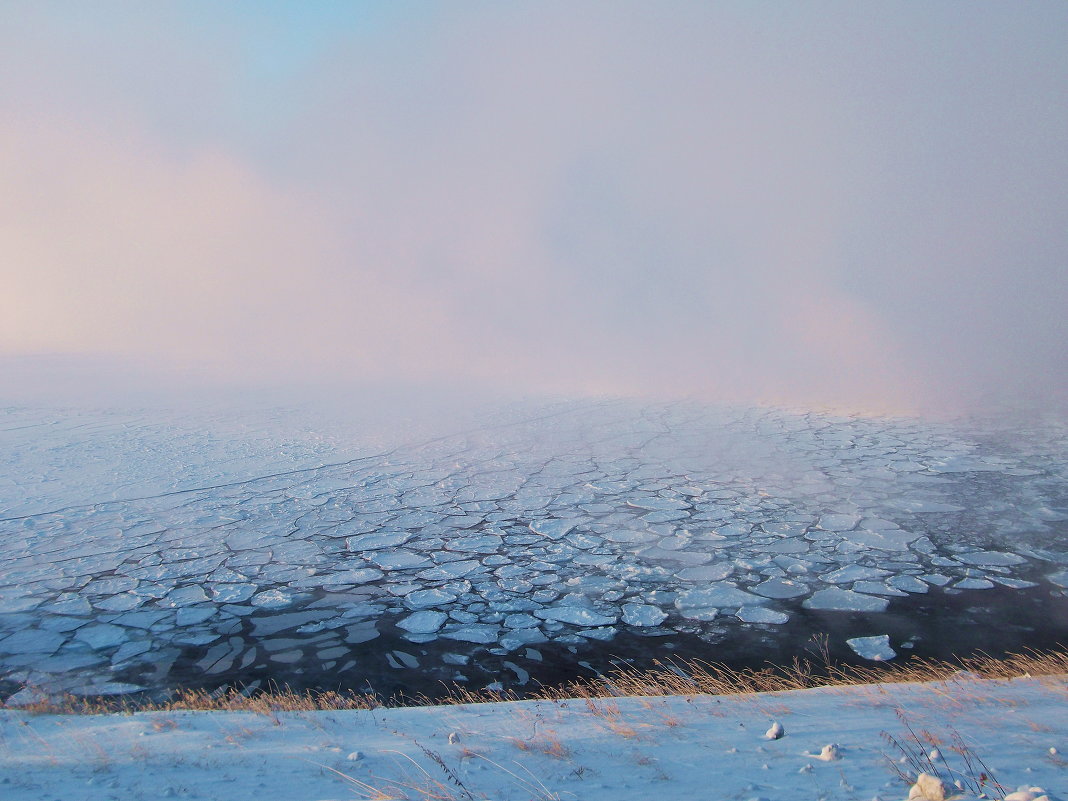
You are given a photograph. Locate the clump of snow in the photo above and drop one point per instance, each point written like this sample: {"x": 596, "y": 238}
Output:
{"x": 927, "y": 788}
{"x": 775, "y": 732}
{"x": 1025, "y": 793}
{"x": 830, "y": 752}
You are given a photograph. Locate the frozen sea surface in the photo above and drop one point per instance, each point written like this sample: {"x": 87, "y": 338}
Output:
{"x": 146, "y": 551}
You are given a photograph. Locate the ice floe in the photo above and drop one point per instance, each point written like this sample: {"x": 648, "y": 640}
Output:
{"x": 876, "y": 648}
{"x": 836, "y": 599}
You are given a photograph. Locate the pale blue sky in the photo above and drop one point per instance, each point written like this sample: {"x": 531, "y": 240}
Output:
{"x": 853, "y": 202}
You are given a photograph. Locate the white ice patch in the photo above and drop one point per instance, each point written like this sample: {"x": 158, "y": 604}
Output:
{"x": 101, "y": 635}
{"x": 875, "y": 648}
{"x": 706, "y": 572}
{"x": 32, "y": 641}
{"x": 759, "y": 614}
{"x": 704, "y": 604}
{"x": 577, "y": 615}
{"x": 272, "y": 599}
{"x": 425, "y": 622}
{"x": 552, "y": 527}
{"x": 884, "y": 540}
{"x": 232, "y": 593}
{"x": 107, "y": 688}
{"x": 781, "y": 588}
{"x": 877, "y": 524}
{"x": 788, "y": 528}
{"x": 191, "y": 615}
{"x": 1060, "y": 579}
{"x": 398, "y": 560}
{"x": 734, "y": 529}
{"x": 849, "y": 573}
{"x": 967, "y": 464}
{"x": 628, "y": 535}
{"x": 450, "y": 570}
{"x": 839, "y": 600}
{"x": 923, "y": 506}
{"x": 974, "y": 584}
{"x": 878, "y": 588}
{"x": 838, "y": 522}
{"x": 643, "y": 615}
{"x": 181, "y": 596}
{"x": 480, "y": 633}
{"x": 373, "y": 542}
{"x": 485, "y": 544}
{"x": 908, "y": 584}
{"x": 657, "y": 504}
{"x": 997, "y": 558}
{"x": 359, "y": 575}
{"x": 936, "y": 579}
{"x": 422, "y": 599}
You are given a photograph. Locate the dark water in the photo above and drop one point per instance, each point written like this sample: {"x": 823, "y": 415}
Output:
{"x": 940, "y": 625}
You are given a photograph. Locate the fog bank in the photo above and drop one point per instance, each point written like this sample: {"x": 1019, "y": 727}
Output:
{"x": 854, "y": 205}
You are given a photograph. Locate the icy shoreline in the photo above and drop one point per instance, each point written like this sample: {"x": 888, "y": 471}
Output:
{"x": 696, "y": 747}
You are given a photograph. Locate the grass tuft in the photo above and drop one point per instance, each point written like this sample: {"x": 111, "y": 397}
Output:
{"x": 666, "y": 678}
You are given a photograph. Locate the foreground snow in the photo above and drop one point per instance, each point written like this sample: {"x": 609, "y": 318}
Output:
{"x": 832, "y": 746}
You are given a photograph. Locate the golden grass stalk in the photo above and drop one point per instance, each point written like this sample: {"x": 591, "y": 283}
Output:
{"x": 672, "y": 677}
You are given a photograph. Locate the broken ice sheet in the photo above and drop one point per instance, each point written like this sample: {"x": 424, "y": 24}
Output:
{"x": 556, "y": 530}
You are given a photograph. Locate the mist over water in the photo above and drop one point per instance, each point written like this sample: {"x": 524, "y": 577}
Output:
{"x": 840, "y": 205}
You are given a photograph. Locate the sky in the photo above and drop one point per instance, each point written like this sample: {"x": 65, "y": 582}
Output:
{"x": 857, "y": 204}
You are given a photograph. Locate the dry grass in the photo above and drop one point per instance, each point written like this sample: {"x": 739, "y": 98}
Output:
{"x": 695, "y": 677}
{"x": 611, "y": 718}
{"x": 546, "y": 742}
{"x": 946, "y": 756}
{"x": 541, "y": 740}
{"x": 268, "y": 703}
{"x": 667, "y": 678}
{"x": 417, "y": 783}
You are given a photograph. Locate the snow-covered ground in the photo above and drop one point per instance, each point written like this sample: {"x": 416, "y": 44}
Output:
{"x": 699, "y": 747}
{"x": 143, "y": 550}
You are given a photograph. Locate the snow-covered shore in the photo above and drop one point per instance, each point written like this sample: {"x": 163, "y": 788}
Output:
{"x": 698, "y": 747}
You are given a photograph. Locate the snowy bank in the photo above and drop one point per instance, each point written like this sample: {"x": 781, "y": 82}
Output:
{"x": 861, "y": 742}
